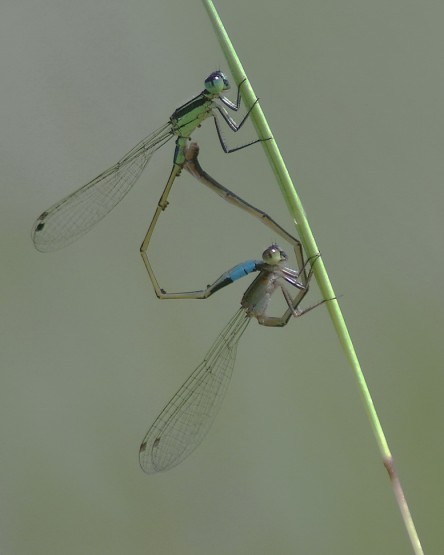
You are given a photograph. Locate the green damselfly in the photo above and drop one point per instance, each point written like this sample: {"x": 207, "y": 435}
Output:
{"x": 76, "y": 214}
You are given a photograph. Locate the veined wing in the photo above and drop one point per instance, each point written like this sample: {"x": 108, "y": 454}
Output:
{"x": 77, "y": 213}
{"x": 186, "y": 419}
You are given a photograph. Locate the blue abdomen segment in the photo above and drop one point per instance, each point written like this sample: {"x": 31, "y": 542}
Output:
{"x": 242, "y": 270}
{"x": 237, "y": 272}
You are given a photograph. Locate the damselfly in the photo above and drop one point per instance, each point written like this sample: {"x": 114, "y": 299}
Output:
{"x": 185, "y": 420}
{"x": 76, "y": 214}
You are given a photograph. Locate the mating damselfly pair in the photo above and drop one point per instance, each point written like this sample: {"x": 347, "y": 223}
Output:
{"x": 186, "y": 418}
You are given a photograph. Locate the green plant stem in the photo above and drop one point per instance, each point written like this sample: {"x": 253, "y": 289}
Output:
{"x": 298, "y": 214}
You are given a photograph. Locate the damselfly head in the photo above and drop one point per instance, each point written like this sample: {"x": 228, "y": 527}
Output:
{"x": 216, "y": 83}
{"x": 273, "y": 255}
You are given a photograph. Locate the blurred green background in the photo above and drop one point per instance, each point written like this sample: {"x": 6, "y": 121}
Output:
{"x": 353, "y": 92}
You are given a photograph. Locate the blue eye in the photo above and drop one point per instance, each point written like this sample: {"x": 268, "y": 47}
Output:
{"x": 216, "y": 83}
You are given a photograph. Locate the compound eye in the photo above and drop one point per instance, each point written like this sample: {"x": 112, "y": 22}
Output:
{"x": 216, "y": 83}
{"x": 273, "y": 255}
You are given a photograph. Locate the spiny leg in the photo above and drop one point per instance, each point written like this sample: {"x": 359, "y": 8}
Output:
{"x": 234, "y": 126}
{"x": 275, "y": 321}
{"x": 228, "y": 103}
{"x": 293, "y": 304}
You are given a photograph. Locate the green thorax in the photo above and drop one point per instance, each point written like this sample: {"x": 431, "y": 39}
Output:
{"x": 189, "y": 116}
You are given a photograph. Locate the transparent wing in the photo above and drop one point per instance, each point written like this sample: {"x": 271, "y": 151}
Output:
{"x": 77, "y": 213}
{"x": 186, "y": 419}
